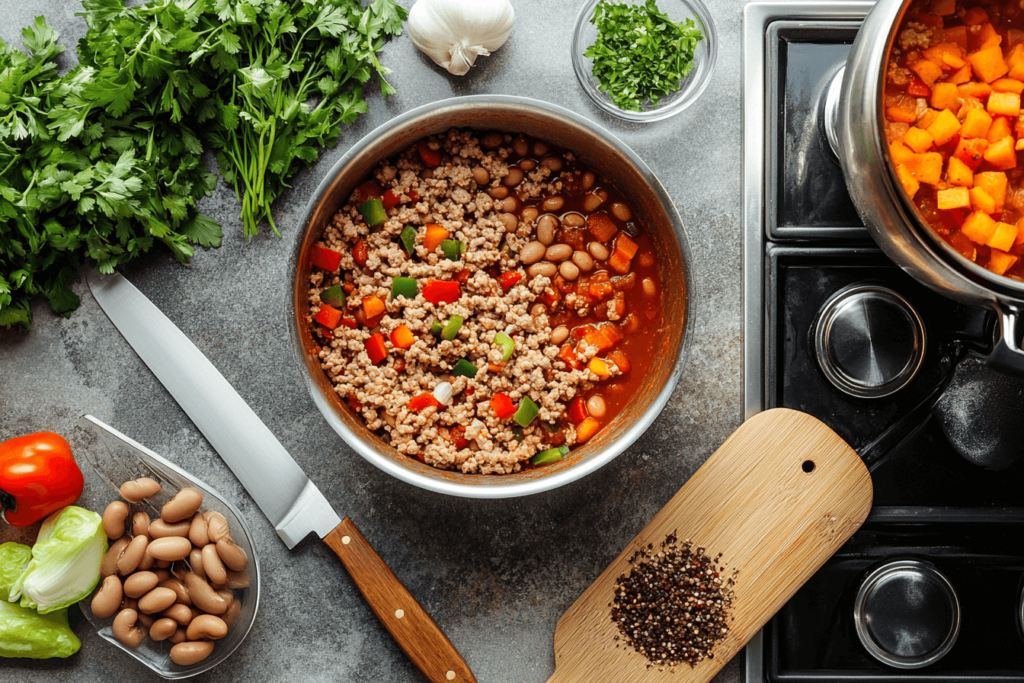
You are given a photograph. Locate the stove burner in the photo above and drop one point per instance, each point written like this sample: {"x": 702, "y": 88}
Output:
{"x": 907, "y": 614}
{"x": 869, "y": 342}
{"x": 831, "y": 113}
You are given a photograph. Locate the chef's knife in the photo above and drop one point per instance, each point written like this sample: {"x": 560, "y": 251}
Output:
{"x": 292, "y": 503}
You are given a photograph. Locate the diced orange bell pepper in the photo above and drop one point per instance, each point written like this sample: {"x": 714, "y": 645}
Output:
{"x": 502, "y": 406}
{"x": 587, "y": 429}
{"x": 1004, "y": 237}
{"x": 900, "y": 152}
{"x": 375, "y": 348}
{"x": 373, "y": 306}
{"x": 1004, "y": 103}
{"x": 979, "y": 227}
{"x": 982, "y": 201}
{"x": 421, "y": 402}
{"x": 599, "y": 368}
{"x": 971, "y": 152}
{"x": 918, "y": 140}
{"x": 402, "y": 337}
{"x": 976, "y": 124}
{"x": 928, "y": 71}
{"x": 945, "y": 95}
{"x": 1000, "y": 262}
{"x": 953, "y": 198}
{"x": 994, "y": 183}
{"x": 435, "y": 235}
{"x": 328, "y": 316}
{"x": 925, "y": 168}
{"x": 959, "y": 173}
{"x": 988, "y": 63}
{"x": 601, "y": 226}
{"x": 1002, "y": 154}
{"x": 910, "y": 185}
{"x": 999, "y": 129}
{"x": 945, "y": 126}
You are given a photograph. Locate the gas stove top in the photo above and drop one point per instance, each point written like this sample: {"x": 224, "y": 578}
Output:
{"x": 931, "y": 587}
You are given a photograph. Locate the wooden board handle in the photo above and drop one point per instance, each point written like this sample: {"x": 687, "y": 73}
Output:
{"x": 411, "y": 627}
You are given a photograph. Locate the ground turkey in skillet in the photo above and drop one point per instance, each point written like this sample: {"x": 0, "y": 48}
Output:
{"x": 449, "y": 196}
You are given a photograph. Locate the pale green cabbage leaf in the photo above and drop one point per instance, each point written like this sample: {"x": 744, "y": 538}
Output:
{"x": 26, "y": 633}
{"x": 13, "y": 559}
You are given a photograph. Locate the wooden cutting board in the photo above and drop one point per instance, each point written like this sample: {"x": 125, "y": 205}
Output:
{"x": 779, "y": 497}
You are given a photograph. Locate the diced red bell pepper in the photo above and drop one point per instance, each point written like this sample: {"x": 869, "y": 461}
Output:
{"x": 368, "y": 190}
{"x": 509, "y": 280}
{"x": 349, "y": 322}
{"x": 601, "y": 290}
{"x": 418, "y": 404}
{"x": 463, "y": 276}
{"x": 459, "y": 436}
{"x": 390, "y": 200}
{"x": 621, "y": 361}
{"x": 619, "y": 262}
{"x": 625, "y": 246}
{"x": 399, "y": 365}
{"x": 360, "y": 252}
{"x": 601, "y": 226}
{"x": 431, "y": 157}
{"x": 577, "y": 410}
{"x": 502, "y": 406}
{"x": 325, "y": 258}
{"x": 413, "y": 195}
{"x": 917, "y": 88}
{"x": 354, "y": 403}
{"x": 375, "y": 348}
{"x": 328, "y": 316}
{"x": 568, "y": 355}
{"x": 441, "y": 291}
{"x": 402, "y": 337}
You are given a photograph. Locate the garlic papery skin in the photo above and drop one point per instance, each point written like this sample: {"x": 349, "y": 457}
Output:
{"x": 455, "y": 32}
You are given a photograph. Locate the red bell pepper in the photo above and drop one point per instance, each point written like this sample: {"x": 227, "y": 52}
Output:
{"x": 441, "y": 291}
{"x": 917, "y": 88}
{"x": 509, "y": 280}
{"x": 328, "y": 316}
{"x": 431, "y": 157}
{"x": 423, "y": 401}
{"x": 375, "y": 348}
{"x": 350, "y": 323}
{"x": 325, "y": 258}
{"x": 38, "y": 476}
{"x": 390, "y": 200}
{"x": 502, "y": 406}
{"x": 578, "y": 410}
{"x": 360, "y": 252}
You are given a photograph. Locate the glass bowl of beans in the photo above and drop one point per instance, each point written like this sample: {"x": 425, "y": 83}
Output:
{"x": 114, "y": 460}
{"x": 609, "y": 32}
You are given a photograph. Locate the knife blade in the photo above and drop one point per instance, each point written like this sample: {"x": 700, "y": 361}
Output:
{"x": 292, "y": 503}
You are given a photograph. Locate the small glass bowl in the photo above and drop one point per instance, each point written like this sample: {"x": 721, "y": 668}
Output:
{"x": 116, "y": 459}
{"x": 704, "y": 58}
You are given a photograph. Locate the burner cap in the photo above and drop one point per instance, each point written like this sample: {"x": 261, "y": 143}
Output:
{"x": 907, "y": 614}
{"x": 869, "y": 341}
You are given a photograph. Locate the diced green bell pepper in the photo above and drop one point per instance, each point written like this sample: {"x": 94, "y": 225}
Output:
{"x": 550, "y": 455}
{"x": 404, "y": 286}
{"x": 408, "y": 238}
{"x": 451, "y": 328}
{"x": 527, "y": 412}
{"x": 453, "y": 249}
{"x": 436, "y": 327}
{"x": 373, "y": 211}
{"x": 334, "y": 296}
{"x": 506, "y": 344}
{"x": 464, "y": 368}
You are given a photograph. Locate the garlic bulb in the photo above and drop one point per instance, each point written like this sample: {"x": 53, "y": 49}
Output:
{"x": 455, "y": 32}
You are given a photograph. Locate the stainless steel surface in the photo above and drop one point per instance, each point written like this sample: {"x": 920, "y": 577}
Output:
{"x": 869, "y": 341}
{"x": 907, "y": 614}
{"x": 596, "y": 147}
{"x": 756, "y": 18}
{"x": 888, "y": 213}
{"x": 269, "y": 474}
{"x": 831, "y": 110}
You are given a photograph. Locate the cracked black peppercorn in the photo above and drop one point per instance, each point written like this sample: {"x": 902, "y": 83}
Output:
{"x": 674, "y": 605}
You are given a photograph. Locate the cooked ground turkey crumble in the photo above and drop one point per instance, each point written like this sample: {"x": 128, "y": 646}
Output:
{"x": 449, "y": 196}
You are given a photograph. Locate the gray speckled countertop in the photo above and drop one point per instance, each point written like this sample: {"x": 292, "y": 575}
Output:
{"x": 495, "y": 574}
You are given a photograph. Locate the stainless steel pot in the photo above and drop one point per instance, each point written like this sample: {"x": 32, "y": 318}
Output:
{"x": 885, "y": 208}
{"x": 600, "y": 150}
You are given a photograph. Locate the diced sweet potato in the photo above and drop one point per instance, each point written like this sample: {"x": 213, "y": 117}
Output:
{"x": 1016, "y": 71}
{"x": 976, "y": 124}
{"x": 601, "y": 226}
{"x": 1004, "y": 237}
{"x": 956, "y": 35}
{"x": 945, "y": 95}
{"x": 1016, "y": 54}
{"x": 982, "y": 201}
{"x": 971, "y": 151}
{"x": 1020, "y": 233}
{"x": 999, "y": 262}
{"x": 961, "y": 75}
{"x": 988, "y": 63}
{"x": 942, "y": 8}
{"x": 1004, "y": 103}
{"x": 975, "y": 16}
{"x": 900, "y": 114}
{"x": 927, "y": 118}
{"x": 918, "y": 140}
{"x": 1001, "y": 85}
{"x": 929, "y": 72}
{"x": 944, "y": 55}
{"x": 1002, "y": 154}
{"x": 910, "y": 185}
{"x": 925, "y": 168}
{"x": 945, "y": 126}
{"x": 958, "y": 173}
{"x": 979, "y": 226}
{"x": 1014, "y": 37}
{"x": 994, "y": 183}
{"x": 989, "y": 36}
{"x": 953, "y": 198}
{"x": 999, "y": 129}
{"x": 976, "y": 90}
{"x": 900, "y": 152}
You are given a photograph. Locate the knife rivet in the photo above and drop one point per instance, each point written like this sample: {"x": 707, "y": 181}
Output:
{"x": 450, "y": 675}
{"x": 346, "y": 539}
{"x": 399, "y": 613}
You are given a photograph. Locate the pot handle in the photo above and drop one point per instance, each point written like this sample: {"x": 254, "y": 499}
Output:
{"x": 1008, "y": 355}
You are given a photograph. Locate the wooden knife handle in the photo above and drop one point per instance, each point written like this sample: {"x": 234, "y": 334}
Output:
{"x": 411, "y": 627}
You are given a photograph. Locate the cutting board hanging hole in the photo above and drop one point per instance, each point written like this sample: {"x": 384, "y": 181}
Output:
{"x": 808, "y": 466}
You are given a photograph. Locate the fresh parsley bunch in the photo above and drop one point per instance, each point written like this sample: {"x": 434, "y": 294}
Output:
{"x": 640, "y": 54}
{"x": 267, "y": 82}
